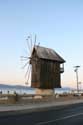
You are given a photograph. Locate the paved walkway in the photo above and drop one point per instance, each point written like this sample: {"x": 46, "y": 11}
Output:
{"x": 32, "y": 107}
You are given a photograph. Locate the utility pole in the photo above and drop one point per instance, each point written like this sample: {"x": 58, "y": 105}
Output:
{"x": 80, "y": 85}
{"x": 76, "y": 70}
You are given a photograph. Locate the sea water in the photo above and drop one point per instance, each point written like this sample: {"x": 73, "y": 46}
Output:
{"x": 17, "y": 90}
{"x": 27, "y": 90}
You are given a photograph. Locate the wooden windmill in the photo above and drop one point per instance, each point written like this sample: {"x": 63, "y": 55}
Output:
{"x": 45, "y": 68}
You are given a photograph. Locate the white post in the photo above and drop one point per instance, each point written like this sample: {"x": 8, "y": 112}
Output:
{"x": 76, "y": 70}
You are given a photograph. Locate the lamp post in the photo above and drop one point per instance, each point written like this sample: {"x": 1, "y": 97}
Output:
{"x": 76, "y": 70}
{"x": 80, "y": 85}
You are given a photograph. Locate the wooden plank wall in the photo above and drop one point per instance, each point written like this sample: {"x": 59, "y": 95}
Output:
{"x": 45, "y": 74}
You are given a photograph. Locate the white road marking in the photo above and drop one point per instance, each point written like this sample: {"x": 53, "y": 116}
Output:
{"x": 70, "y": 116}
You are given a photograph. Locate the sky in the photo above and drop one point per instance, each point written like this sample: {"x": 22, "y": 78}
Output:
{"x": 58, "y": 24}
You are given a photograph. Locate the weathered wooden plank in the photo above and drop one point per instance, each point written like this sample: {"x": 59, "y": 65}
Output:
{"x": 45, "y": 73}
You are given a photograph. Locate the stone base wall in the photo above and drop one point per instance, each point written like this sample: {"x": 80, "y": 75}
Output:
{"x": 44, "y": 91}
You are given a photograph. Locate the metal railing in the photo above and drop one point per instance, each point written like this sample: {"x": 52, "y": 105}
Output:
{"x": 61, "y": 70}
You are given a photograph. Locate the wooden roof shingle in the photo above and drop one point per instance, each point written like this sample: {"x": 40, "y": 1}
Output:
{"x": 48, "y": 54}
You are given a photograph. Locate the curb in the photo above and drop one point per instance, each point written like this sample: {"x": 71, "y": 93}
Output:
{"x": 11, "y": 113}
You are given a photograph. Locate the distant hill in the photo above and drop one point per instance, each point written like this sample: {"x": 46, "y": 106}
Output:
{"x": 26, "y": 87}
{"x": 15, "y": 87}
{"x": 64, "y": 88}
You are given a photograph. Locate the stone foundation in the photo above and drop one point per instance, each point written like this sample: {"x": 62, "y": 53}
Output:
{"x": 44, "y": 91}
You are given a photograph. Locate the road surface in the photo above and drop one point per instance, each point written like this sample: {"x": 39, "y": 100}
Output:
{"x": 64, "y": 115}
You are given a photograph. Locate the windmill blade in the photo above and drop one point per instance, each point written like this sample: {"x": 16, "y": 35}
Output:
{"x": 25, "y": 65}
{"x": 35, "y": 40}
{"x": 24, "y": 57}
{"x": 31, "y": 43}
{"x": 28, "y": 74}
{"x": 26, "y": 52}
{"x": 28, "y": 44}
{"x": 27, "y": 71}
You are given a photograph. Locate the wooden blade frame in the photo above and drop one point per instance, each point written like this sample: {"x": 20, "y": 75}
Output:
{"x": 28, "y": 74}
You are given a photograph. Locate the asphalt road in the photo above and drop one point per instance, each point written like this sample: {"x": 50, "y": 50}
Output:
{"x": 64, "y": 115}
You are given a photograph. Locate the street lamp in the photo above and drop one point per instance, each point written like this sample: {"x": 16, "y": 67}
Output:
{"x": 80, "y": 85}
{"x": 76, "y": 70}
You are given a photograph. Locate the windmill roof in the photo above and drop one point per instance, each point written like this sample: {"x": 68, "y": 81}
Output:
{"x": 49, "y": 54}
